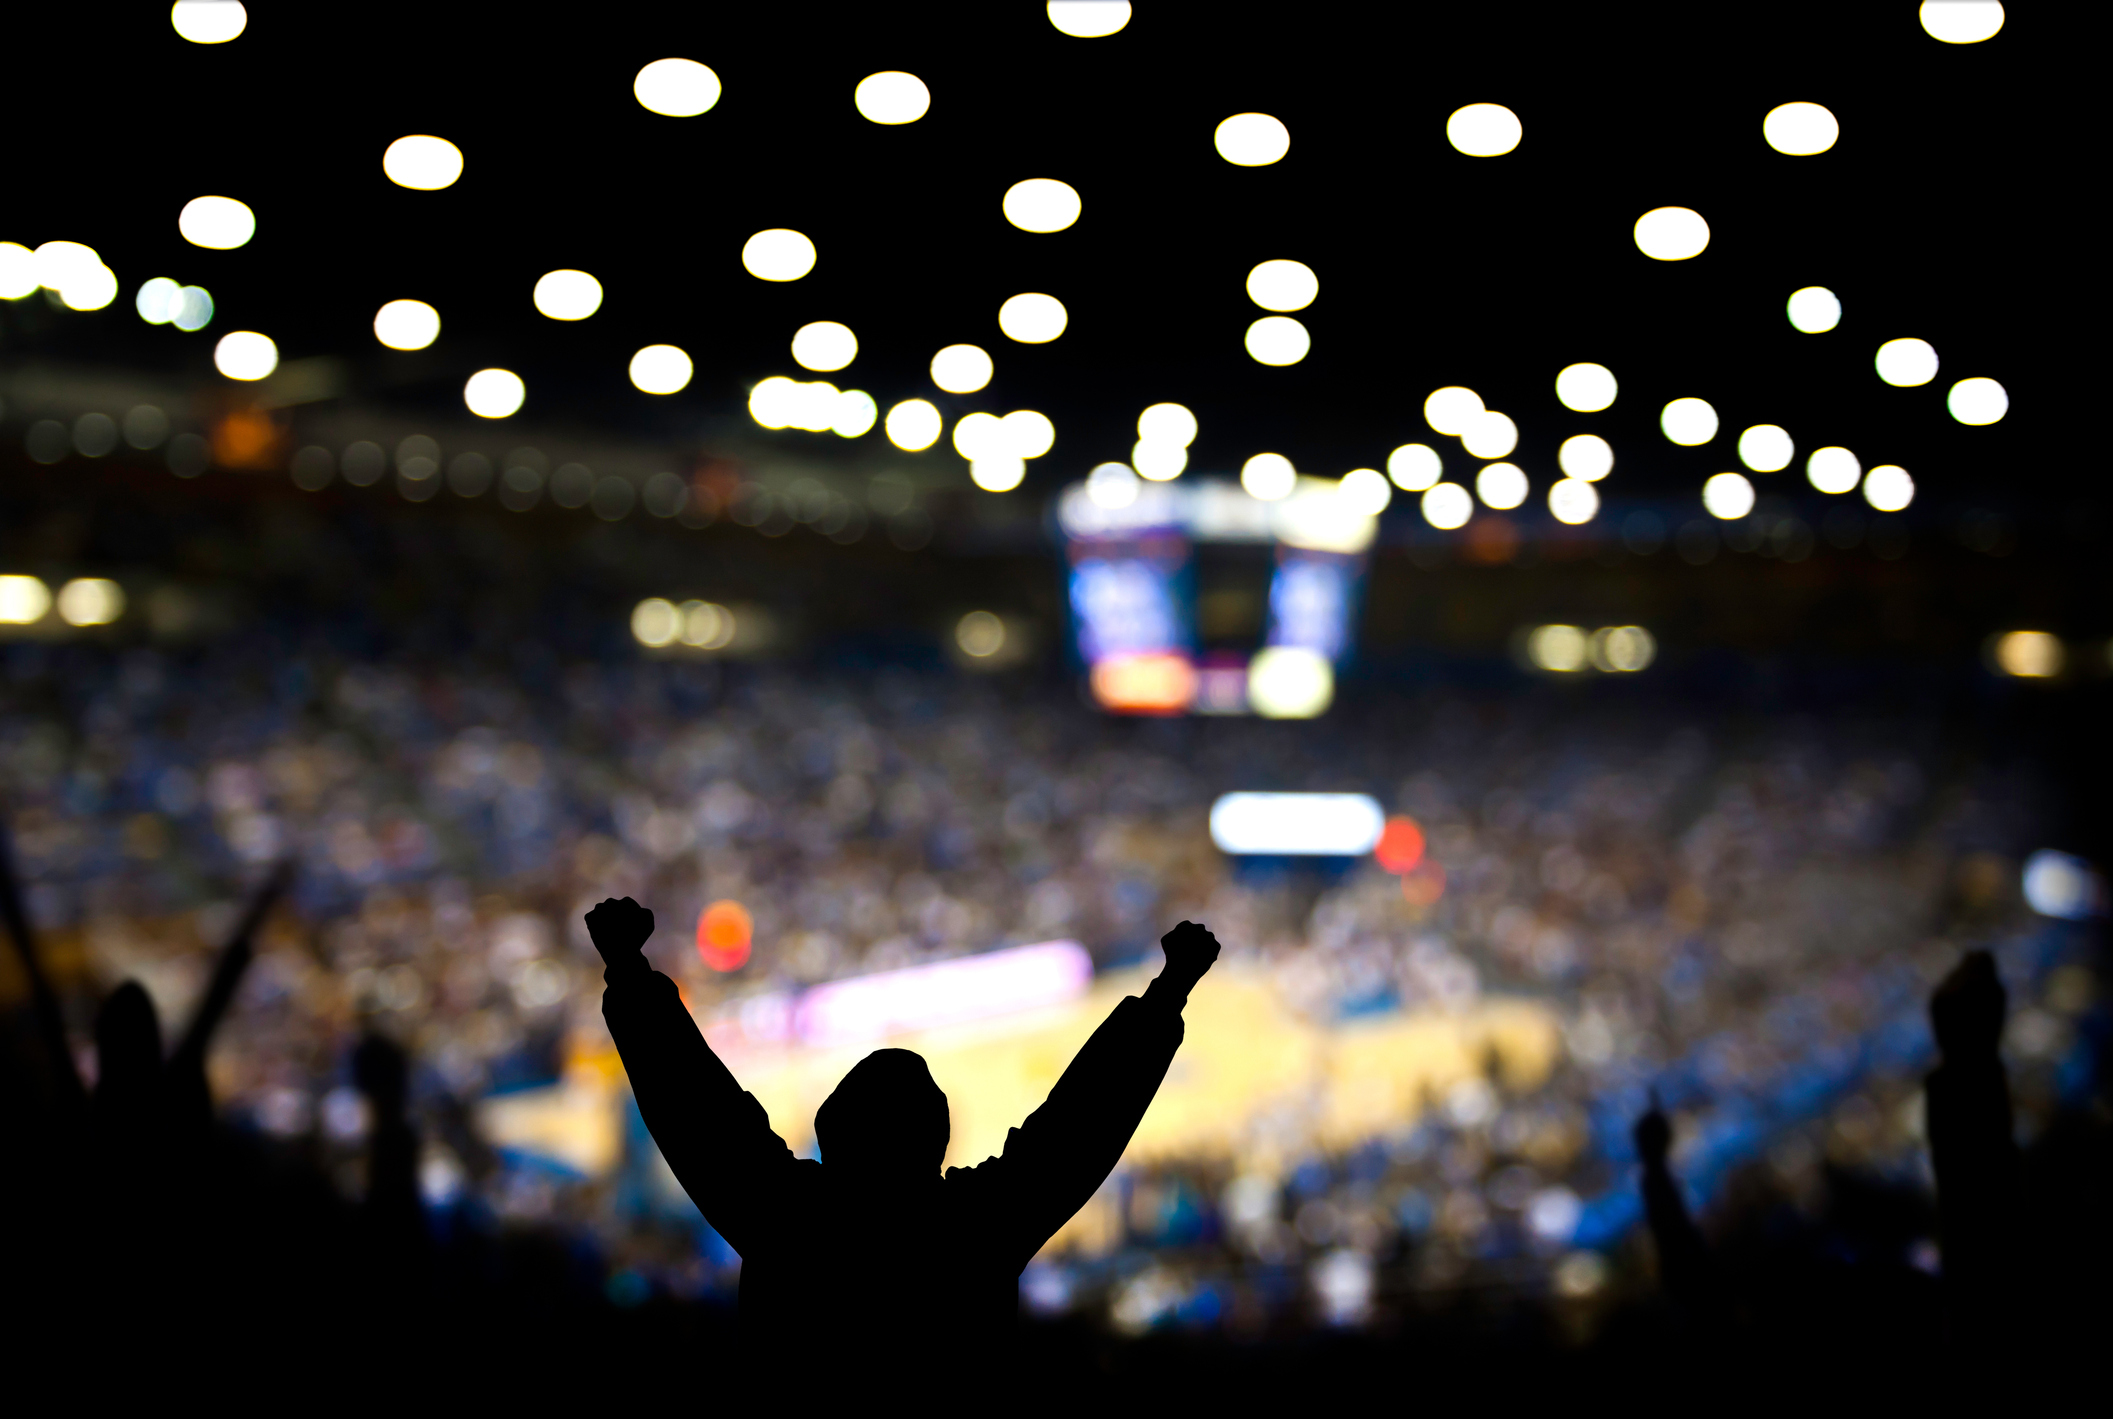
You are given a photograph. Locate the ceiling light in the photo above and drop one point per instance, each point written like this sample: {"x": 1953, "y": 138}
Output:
{"x": 779, "y": 254}
{"x": 1089, "y": 19}
{"x": 961, "y": 369}
{"x": 661, "y": 369}
{"x": 1728, "y": 496}
{"x": 1586, "y": 388}
{"x": 1278, "y": 340}
{"x": 1283, "y": 285}
{"x": 1815, "y": 310}
{"x": 1689, "y": 422}
{"x": 1032, "y": 319}
{"x": 676, "y": 88}
{"x": 568, "y": 295}
{"x": 1800, "y": 130}
{"x": 1977, "y": 401}
{"x": 1167, "y": 423}
{"x": 1451, "y": 409}
{"x": 208, "y": 21}
{"x": 1671, "y": 233}
{"x": 1766, "y": 448}
{"x": 1252, "y": 140}
{"x": 1415, "y": 467}
{"x": 824, "y": 345}
{"x": 422, "y": 162}
{"x": 1268, "y": 477}
{"x": 1042, "y": 204}
{"x": 1586, "y": 457}
{"x": 407, "y": 325}
{"x": 494, "y": 394}
{"x": 1484, "y": 130}
{"x": 216, "y": 223}
{"x": 245, "y": 355}
{"x": 892, "y": 97}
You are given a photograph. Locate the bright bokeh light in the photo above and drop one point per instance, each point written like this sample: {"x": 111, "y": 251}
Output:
{"x": 1727, "y": 496}
{"x": 1689, "y": 422}
{"x": 1586, "y": 388}
{"x": 725, "y": 934}
{"x": 1089, "y": 19}
{"x": 1451, "y": 409}
{"x": 494, "y": 394}
{"x": 1501, "y": 486}
{"x": 1297, "y": 824}
{"x": 914, "y": 425}
{"x": 812, "y": 404}
{"x": 1111, "y": 485}
{"x": 660, "y": 369}
{"x": 1484, "y": 130}
{"x": 1585, "y": 456}
{"x": 980, "y": 435}
{"x": 779, "y": 254}
{"x": 1671, "y": 233}
{"x": 91, "y": 601}
{"x": 676, "y": 88}
{"x": 1977, "y": 401}
{"x": 1814, "y": 310}
{"x": 1269, "y": 477}
{"x": 568, "y": 295}
{"x": 407, "y": 325}
{"x": 156, "y": 301}
{"x": 770, "y": 402}
{"x": 1888, "y": 487}
{"x": 1833, "y": 470}
{"x": 2029, "y": 655}
{"x": 1252, "y": 140}
{"x": 1028, "y": 434}
{"x": 18, "y": 270}
{"x": 1158, "y": 462}
{"x": 892, "y": 97}
{"x": 1283, "y": 285}
{"x": 57, "y": 262}
{"x": 980, "y": 634}
{"x": 1490, "y": 435}
{"x": 1766, "y": 448}
{"x": 997, "y": 475}
{"x": 208, "y": 21}
{"x": 1365, "y": 491}
{"x": 1400, "y": 846}
{"x": 1561, "y": 650}
{"x": 1292, "y": 682}
{"x": 1907, "y": 362}
{"x": 23, "y": 600}
{"x": 706, "y": 625}
{"x": 1167, "y": 423}
{"x": 1415, "y": 467}
{"x": 422, "y": 162}
{"x": 1622, "y": 650}
{"x": 1278, "y": 340}
{"x": 1573, "y": 500}
{"x": 192, "y": 309}
{"x": 1800, "y": 130}
{"x": 216, "y": 223}
{"x": 2063, "y": 886}
{"x": 244, "y": 354}
{"x": 1447, "y": 506}
{"x": 1962, "y": 21}
{"x": 1042, "y": 204}
{"x": 824, "y": 345}
{"x": 89, "y": 288}
{"x": 856, "y": 414}
{"x": 1033, "y": 318}
{"x": 962, "y": 369}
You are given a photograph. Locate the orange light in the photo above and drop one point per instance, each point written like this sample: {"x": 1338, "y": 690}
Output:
{"x": 1423, "y": 886}
{"x": 1400, "y": 845}
{"x": 247, "y": 438}
{"x": 725, "y": 931}
{"x": 1145, "y": 684}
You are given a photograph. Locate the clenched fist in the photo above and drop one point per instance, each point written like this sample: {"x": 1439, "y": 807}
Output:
{"x": 1190, "y": 950}
{"x": 619, "y": 929}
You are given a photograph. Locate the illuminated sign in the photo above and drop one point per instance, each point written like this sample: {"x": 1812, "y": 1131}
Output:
{"x": 1297, "y": 824}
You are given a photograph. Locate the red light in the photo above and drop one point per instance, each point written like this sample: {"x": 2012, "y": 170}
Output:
{"x": 1400, "y": 845}
{"x": 724, "y": 933}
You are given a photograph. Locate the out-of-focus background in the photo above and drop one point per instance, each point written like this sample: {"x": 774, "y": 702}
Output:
{"x": 1568, "y": 537}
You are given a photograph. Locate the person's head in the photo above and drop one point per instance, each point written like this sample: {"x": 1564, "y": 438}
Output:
{"x": 127, "y": 1049}
{"x": 886, "y": 1119}
{"x": 1966, "y": 1011}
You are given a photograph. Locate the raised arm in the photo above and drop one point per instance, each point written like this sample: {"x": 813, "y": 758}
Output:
{"x": 1053, "y": 1162}
{"x": 716, "y": 1137}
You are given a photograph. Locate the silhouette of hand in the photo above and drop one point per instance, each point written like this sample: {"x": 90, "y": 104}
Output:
{"x": 1966, "y": 1012}
{"x": 1190, "y": 950}
{"x": 1654, "y": 1137}
{"x": 619, "y": 929}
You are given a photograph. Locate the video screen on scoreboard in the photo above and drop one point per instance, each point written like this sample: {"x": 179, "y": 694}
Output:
{"x": 1313, "y": 597}
{"x": 1130, "y": 612}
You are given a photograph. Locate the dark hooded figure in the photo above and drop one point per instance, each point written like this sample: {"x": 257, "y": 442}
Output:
{"x": 871, "y": 1255}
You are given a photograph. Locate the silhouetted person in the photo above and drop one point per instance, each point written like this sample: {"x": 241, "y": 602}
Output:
{"x": 1972, "y": 1147}
{"x": 393, "y": 1216}
{"x": 128, "y": 1068}
{"x": 1684, "y": 1268}
{"x": 869, "y": 1262}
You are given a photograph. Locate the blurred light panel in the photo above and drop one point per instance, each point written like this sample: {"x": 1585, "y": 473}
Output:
{"x": 1111, "y": 485}
{"x": 1278, "y": 340}
{"x": 1292, "y": 682}
{"x": 1269, "y": 477}
{"x": 216, "y": 223}
{"x": 892, "y": 97}
{"x": 1365, "y": 491}
{"x": 1622, "y": 650}
{"x": 1042, "y": 204}
{"x": 823, "y": 345}
{"x": 1283, "y": 285}
{"x": 676, "y": 88}
{"x": 1800, "y": 130}
{"x": 422, "y": 162}
{"x": 1977, "y": 401}
{"x": 1586, "y": 388}
{"x": 1033, "y": 318}
{"x": 1451, "y": 409}
{"x": 962, "y": 369}
{"x": 1573, "y": 500}
{"x": 1888, "y": 487}
{"x": 1766, "y": 448}
{"x": 1587, "y": 457}
{"x": 1252, "y": 140}
{"x": 2029, "y": 655}
{"x": 1167, "y": 424}
{"x": 859, "y": 1010}
{"x": 2059, "y": 885}
{"x": 1671, "y": 233}
{"x": 856, "y": 414}
{"x": 1560, "y": 650}
{"x": 1484, "y": 130}
{"x": 1962, "y": 21}
{"x": 23, "y": 600}
{"x": 1688, "y": 422}
{"x": 661, "y": 369}
{"x": 568, "y": 295}
{"x": 1158, "y": 462}
{"x": 1727, "y": 496}
{"x": 245, "y": 355}
{"x": 18, "y": 271}
{"x": 91, "y": 601}
{"x": 1814, "y": 310}
{"x": 1297, "y": 824}
{"x": 1501, "y": 486}
{"x": 1833, "y": 470}
{"x": 914, "y": 425}
{"x": 1907, "y": 362}
{"x": 494, "y": 394}
{"x": 779, "y": 254}
{"x": 1447, "y": 506}
{"x": 997, "y": 475}
{"x": 1028, "y": 433}
{"x": 407, "y": 325}
{"x": 1415, "y": 467}
{"x": 1089, "y": 19}
{"x": 1490, "y": 435}
{"x": 208, "y": 21}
